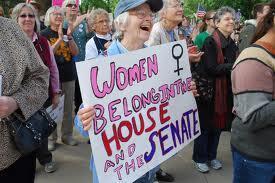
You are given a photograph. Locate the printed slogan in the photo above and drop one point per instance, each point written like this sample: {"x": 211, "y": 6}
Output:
{"x": 145, "y": 109}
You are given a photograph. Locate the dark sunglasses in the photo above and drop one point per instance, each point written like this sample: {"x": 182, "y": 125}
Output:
{"x": 27, "y": 15}
{"x": 71, "y": 5}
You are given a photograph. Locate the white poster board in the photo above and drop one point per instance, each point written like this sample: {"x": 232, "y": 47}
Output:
{"x": 146, "y": 112}
{"x": 58, "y": 112}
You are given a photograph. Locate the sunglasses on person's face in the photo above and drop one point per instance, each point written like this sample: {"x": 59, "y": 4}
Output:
{"x": 71, "y": 5}
{"x": 27, "y": 15}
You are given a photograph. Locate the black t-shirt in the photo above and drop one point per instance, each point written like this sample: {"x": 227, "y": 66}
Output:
{"x": 63, "y": 56}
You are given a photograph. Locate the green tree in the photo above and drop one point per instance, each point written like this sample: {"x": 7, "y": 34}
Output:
{"x": 190, "y": 6}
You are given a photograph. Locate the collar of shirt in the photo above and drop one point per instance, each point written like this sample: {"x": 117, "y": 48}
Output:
{"x": 107, "y": 37}
{"x": 34, "y": 37}
{"x": 224, "y": 41}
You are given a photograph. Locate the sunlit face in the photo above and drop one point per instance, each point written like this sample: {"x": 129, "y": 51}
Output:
{"x": 139, "y": 24}
{"x": 102, "y": 24}
{"x": 174, "y": 11}
{"x": 264, "y": 12}
{"x": 56, "y": 17}
{"x": 26, "y": 19}
{"x": 226, "y": 24}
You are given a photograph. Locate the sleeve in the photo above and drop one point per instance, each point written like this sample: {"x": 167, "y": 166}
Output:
{"x": 91, "y": 50}
{"x": 252, "y": 84}
{"x": 210, "y": 59}
{"x": 33, "y": 92}
{"x": 79, "y": 126}
{"x": 155, "y": 37}
{"x": 54, "y": 74}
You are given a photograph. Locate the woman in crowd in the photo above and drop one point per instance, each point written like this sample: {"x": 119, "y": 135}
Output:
{"x": 24, "y": 90}
{"x": 253, "y": 130}
{"x": 206, "y": 30}
{"x": 80, "y": 35}
{"x": 133, "y": 21}
{"x": 64, "y": 48}
{"x": 100, "y": 24}
{"x": 215, "y": 104}
{"x": 26, "y": 17}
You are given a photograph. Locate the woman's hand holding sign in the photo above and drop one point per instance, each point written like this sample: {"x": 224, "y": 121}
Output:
{"x": 86, "y": 116}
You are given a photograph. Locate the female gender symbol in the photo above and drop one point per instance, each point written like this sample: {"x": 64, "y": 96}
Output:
{"x": 177, "y": 57}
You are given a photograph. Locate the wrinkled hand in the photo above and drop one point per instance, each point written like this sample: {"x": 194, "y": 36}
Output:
{"x": 193, "y": 87}
{"x": 7, "y": 106}
{"x": 194, "y": 55}
{"x": 86, "y": 116}
{"x": 106, "y": 45}
{"x": 55, "y": 100}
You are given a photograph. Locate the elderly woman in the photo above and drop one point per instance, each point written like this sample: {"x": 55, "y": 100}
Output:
{"x": 166, "y": 30}
{"x": 133, "y": 22}
{"x": 100, "y": 24}
{"x": 80, "y": 35}
{"x": 24, "y": 90}
{"x": 253, "y": 130}
{"x": 26, "y": 17}
{"x": 215, "y": 107}
{"x": 64, "y": 48}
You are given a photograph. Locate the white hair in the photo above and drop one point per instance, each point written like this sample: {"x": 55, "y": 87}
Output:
{"x": 120, "y": 22}
{"x": 66, "y": 2}
{"x": 49, "y": 12}
{"x": 94, "y": 15}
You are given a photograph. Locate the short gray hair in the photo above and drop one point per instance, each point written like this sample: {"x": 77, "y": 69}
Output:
{"x": 222, "y": 11}
{"x": 17, "y": 10}
{"x": 120, "y": 22}
{"x": 49, "y": 12}
{"x": 94, "y": 15}
{"x": 164, "y": 8}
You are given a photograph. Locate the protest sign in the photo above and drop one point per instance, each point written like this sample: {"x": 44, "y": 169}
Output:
{"x": 58, "y": 112}
{"x": 145, "y": 111}
{"x": 59, "y": 2}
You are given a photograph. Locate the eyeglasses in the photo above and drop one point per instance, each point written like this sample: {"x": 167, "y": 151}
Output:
{"x": 71, "y": 5}
{"x": 178, "y": 5}
{"x": 27, "y": 15}
{"x": 141, "y": 14}
{"x": 103, "y": 21}
{"x": 57, "y": 14}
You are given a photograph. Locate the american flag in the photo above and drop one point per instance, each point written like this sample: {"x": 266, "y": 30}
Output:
{"x": 201, "y": 11}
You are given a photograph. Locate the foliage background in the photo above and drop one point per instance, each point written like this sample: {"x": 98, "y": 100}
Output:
{"x": 190, "y": 6}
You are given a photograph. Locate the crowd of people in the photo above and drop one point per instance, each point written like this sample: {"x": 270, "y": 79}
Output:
{"x": 233, "y": 78}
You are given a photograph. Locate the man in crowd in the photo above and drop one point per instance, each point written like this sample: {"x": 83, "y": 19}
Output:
{"x": 259, "y": 11}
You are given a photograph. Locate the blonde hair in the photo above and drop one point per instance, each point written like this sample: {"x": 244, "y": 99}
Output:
{"x": 49, "y": 12}
{"x": 17, "y": 10}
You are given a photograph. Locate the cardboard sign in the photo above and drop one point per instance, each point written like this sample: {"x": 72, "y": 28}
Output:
{"x": 59, "y": 2}
{"x": 145, "y": 111}
{"x": 57, "y": 113}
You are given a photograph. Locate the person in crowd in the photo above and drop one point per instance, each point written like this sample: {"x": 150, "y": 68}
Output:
{"x": 246, "y": 35}
{"x": 166, "y": 29}
{"x": 196, "y": 31}
{"x": 37, "y": 7}
{"x": 26, "y": 17}
{"x": 206, "y": 29}
{"x": 100, "y": 24}
{"x": 133, "y": 21}
{"x": 215, "y": 102}
{"x": 24, "y": 90}
{"x": 10, "y": 12}
{"x": 253, "y": 84}
{"x": 187, "y": 27}
{"x": 64, "y": 48}
{"x": 80, "y": 35}
{"x": 1, "y": 12}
